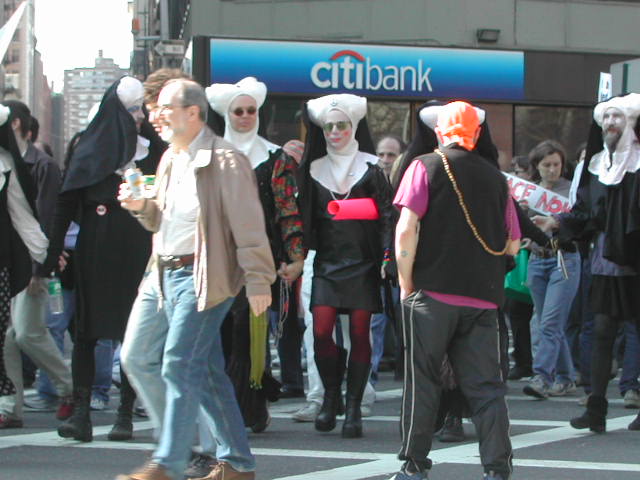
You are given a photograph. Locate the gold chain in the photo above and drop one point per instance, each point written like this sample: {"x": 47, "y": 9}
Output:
{"x": 467, "y": 217}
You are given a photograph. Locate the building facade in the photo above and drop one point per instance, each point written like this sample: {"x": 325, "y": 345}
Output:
{"x": 557, "y": 49}
{"x": 23, "y": 76}
{"x": 83, "y": 88}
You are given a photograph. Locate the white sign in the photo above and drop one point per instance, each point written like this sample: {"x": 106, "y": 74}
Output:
{"x": 170, "y": 48}
{"x": 605, "y": 88}
{"x": 539, "y": 199}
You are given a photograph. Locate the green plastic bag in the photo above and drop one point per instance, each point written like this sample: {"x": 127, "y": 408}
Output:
{"x": 515, "y": 282}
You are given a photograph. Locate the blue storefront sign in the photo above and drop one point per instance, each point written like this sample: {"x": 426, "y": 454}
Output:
{"x": 370, "y": 70}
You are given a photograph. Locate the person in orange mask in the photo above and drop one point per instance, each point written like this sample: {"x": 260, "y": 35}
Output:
{"x": 451, "y": 242}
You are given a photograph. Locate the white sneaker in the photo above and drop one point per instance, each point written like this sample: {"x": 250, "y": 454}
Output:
{"x": 98, "y": 404}
{"x": 365, "y": 410}
{"x": 307, "y": 413}
{"x": 631, "y": 399}
{"x": 561, "y": 389}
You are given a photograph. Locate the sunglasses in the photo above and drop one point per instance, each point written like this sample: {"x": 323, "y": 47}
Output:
{"x": 238, "y": 112}
{"x": 341, "y": 126}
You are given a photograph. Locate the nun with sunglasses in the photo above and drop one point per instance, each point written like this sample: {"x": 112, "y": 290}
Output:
{"x": 235, "y": 116}
{"x": 339, "y": 165}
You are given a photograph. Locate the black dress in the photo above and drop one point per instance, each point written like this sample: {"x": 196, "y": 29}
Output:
{"x": 346, "y": 269}
{"x": 112, "y": 252}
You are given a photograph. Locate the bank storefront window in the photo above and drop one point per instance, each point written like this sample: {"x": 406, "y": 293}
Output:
{"x": 567, "y": 125}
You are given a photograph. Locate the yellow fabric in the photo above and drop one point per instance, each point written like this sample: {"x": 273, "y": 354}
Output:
{"x": 257, "y": 348}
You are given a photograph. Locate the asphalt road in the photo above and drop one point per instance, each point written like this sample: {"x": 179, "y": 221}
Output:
{"x": 546, "y": 447}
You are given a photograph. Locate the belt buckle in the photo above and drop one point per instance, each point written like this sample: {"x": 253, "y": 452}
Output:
{"x": 177, "y": 263}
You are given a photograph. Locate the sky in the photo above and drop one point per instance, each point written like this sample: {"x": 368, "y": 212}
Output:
{"x": 70, "y": 33}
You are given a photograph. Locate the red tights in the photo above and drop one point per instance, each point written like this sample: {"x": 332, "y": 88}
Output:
{"x": 324, "y": 322}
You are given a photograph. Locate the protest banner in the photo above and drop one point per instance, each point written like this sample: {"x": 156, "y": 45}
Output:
{"x": 539, "y": 199}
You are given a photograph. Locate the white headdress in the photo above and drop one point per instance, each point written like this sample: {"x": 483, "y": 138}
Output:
{"x": 4, "y": 113}
{"x": 611, "y": 167}
{"x": 340, "y": 169}
{"x": 220, "y": 97}
{"x": 130, "y": 92}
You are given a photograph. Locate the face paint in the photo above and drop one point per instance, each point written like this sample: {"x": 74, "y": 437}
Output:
{"x": 340, "y": 133}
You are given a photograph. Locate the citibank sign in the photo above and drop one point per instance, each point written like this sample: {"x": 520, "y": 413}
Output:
{"x": 390, "y": 71}
{"x": 350, "y": 70}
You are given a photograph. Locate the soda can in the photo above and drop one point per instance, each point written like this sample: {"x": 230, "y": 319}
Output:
{"x": 134, "y": 178}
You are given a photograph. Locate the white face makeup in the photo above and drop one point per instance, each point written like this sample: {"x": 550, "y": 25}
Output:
{"x": 137, "y": 114}
{"x": 243, "y": 113}
{"x": 337, "y": 129}
{"x": 613, "y": 124}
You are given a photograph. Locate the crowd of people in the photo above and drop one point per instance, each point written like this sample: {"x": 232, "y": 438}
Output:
{"x": 325, "y": 244}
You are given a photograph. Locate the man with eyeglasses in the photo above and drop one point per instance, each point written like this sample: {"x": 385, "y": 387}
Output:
{"x": 209, "y": 241}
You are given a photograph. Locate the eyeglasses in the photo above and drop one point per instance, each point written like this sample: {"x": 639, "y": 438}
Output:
{"x": 341, "y": 126}
{"x": 238, "y": 112}
{"x": 162, "y": 108}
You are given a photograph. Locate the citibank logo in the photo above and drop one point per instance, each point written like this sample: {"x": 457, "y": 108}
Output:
{"x": 350, "y": 70}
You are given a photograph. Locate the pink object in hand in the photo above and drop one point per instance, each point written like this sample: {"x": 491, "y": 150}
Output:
{"x": 354, "y": 209}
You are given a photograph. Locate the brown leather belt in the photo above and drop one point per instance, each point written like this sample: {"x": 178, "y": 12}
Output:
{"x": 171, "y": 262}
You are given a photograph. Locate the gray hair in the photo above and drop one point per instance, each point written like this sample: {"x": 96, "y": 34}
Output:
{"x": 191, "y": 93}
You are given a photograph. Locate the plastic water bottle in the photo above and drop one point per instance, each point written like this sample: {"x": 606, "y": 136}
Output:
{"x": 56, "y": 303}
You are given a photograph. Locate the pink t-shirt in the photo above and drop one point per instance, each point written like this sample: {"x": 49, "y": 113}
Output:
{"x": 413, "y": 194}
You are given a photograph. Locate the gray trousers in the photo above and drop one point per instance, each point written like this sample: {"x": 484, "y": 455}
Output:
{"x": 29, "y": 333}
{"x": 469, "y": 336}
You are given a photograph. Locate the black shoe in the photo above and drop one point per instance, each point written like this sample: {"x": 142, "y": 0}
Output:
{"x": 294, "y": 393}
{"x": 595, "y": 417}
{"x": 517, "y": 372}
{"x": 452, "y": 431}
{"x": 200, "y": 465}
{"x": 78, "y": 426}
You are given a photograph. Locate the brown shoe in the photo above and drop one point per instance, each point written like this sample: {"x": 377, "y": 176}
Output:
{"x": 150, "y": 471}
{"x": 224, "y": 471}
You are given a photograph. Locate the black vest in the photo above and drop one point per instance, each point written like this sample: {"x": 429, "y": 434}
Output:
{"x": 449, "y": 259}
{"x": 13, "y": 252}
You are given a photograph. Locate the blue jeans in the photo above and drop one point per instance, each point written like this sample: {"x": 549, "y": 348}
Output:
{"x": 552, "y": 298}
{"x": 141, "y": 358}
{"x": 631, "y": 361}
{"x": 194, "y": 375}
{"x": 378, "y": 326}
{"x": 58, "y": 323}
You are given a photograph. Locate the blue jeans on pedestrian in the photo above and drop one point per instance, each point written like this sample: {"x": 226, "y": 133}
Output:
{"x": 378, "y": 327}
{"x": 193, "y": 370}
{"x": 631, "y": 361}
{"x": 57, "y": 323}
{"x": 552, "y": 298}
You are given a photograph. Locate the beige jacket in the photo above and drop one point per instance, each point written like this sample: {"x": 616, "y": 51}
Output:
{"x": 232, "y": 249}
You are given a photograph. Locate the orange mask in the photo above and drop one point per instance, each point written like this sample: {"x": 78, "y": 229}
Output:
{"x": 458, "y": 122}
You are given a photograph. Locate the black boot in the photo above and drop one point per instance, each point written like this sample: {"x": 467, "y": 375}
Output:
{"x": 595, "y": 418}
{"x": 123, "y": 426}
{"x": 331, "y": 371}
{"x": 357, "y": 378}
{"x": 78, "y": 426}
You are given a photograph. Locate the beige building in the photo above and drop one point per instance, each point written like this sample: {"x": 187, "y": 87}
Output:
{"x": 83, "y": 88}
